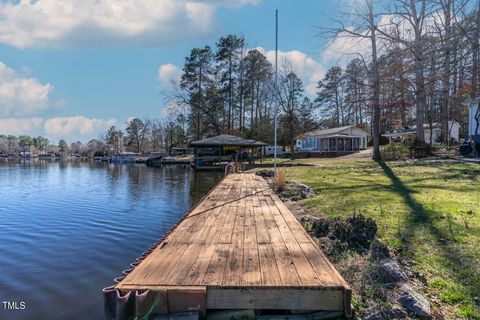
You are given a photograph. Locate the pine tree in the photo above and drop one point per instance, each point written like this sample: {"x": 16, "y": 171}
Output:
{"x": 228, "y": 59}
{"x": 290, "y": 92}
{"x": 330, "y": 96}
{"x": 197, "y": 74}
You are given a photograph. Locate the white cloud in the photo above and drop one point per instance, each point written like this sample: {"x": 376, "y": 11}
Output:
{"x": 74, "y": 23}
{"x": 307, "y": 68}
{"x": 20, "y": 126}
{"x": 20, "y": 95}
{"x": 69, "y": 128}
{"x": 168, "y": 74}
{"x": 23, "y": 99}
{"x": 79, "y": 125}
{"x": 344, "y": 48}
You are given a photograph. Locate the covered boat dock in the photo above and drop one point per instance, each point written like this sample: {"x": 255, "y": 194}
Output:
{"x": 216, "y": 152}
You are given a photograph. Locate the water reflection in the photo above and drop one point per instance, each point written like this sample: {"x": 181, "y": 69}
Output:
{"x": 69, "y": 227}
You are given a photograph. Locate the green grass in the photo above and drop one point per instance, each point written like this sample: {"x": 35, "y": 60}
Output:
{"x": 269, "y": 160}
{"x": 428, "y": 212}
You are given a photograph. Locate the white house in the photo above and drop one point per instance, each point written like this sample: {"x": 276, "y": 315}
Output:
{"x": 473, "y": 116}
{"x": 270, "y": 150}
{"x": 340, "y": 140}
{"x": 408, "y": 135}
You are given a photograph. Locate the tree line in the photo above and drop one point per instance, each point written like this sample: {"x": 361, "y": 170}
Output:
{"x": 230, "y": 89}
{"x": 419, "y": 66}
{"x": 139, "y": 136}
{"x": 10, "y": 144}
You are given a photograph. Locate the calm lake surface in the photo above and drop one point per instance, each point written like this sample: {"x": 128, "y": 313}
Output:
{"x": 68, "y": 228}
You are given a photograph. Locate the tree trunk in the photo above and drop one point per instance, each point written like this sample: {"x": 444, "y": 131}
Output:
{"x": 199, "y": 102}
{"x": 420, "y": 93}
{"x": 446, "y": 74}
{"x": 475, "y": 57}
{"x": 230, "y": 84}
{"x": 376, "y": 86}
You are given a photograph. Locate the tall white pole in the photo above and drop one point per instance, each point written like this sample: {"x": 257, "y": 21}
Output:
{"x": 275, "y": 99}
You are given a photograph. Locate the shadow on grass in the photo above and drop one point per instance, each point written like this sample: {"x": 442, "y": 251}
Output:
{"x": 460, "y": 264}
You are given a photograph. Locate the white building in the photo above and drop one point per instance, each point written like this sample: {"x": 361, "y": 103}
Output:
{"x": 270, "y": 151}
{"x": 339, "y": 140}
{"x": 473, "y": 116}
{"x": 408, "y": 135}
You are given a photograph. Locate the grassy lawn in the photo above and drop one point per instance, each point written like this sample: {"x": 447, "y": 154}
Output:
{"x": 269, "y": 160}
{"x": 428, "y": 212}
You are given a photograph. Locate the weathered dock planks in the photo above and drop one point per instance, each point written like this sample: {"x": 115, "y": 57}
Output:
{"x": 240, "y": 248}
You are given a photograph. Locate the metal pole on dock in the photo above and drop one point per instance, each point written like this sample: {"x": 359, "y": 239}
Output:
{"x": 275, "y": 99}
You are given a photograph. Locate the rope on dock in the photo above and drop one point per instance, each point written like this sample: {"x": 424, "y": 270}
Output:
{"x": 228, "y": 202}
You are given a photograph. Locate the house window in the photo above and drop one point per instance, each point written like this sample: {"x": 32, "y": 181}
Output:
{"x": 356, "y": 142}
{"x": 348, "y": 144}
{"x": 332, "y": 144}
{"x": 340, "y": 144}
{"x": 325, "y": 144}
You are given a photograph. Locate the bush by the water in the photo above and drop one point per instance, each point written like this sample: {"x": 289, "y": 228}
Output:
{"x": 395, "y": 151}
{"x": 364, "y": 230}
{"x": 265, "y": 173}
{"x": 379, "y": 250}
{"x": 337, "y": 235}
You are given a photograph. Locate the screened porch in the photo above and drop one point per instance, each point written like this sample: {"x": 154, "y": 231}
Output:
{"x": 336, "y": 143}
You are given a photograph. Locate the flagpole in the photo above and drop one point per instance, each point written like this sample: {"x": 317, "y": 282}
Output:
{"x": 275, "y": 98}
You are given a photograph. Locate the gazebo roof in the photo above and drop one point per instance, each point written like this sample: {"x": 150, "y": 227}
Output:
{"x": 226, "y": 140}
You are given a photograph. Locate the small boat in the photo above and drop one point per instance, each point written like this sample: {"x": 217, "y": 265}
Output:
{"x": 124, "y": 157}
{"x": 154, "y": 161}
{"x": 48, "y": 156}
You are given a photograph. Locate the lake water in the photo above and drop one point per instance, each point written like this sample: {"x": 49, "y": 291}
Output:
{"x": 68, "y": 228}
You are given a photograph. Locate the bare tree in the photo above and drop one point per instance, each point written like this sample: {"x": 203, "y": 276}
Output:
{"x": 408, "y": 27}
{"x": 447, "y": 6}
{"x": 365, "y": 29}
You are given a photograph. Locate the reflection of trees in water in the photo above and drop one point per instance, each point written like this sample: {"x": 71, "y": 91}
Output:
{"x": 178, "y": 185}
{"x": 202, "y": 182}
{"x": 137, "y": 181}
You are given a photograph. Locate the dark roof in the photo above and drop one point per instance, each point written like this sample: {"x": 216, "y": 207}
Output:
{"x": 226, "y": 140}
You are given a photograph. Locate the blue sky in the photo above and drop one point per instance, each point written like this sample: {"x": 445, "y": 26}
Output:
{"x": 71, "y": 68}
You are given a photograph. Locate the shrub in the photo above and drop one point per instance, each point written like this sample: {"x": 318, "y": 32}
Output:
{"x": 340, "y": 230}
{"x": 395, "y": 151}
{"x": 333, "y": 248}
{"x": 383, "y": 141}
{"x": 379, "y": 250}
{"x": 364, "y": 231}
{"x": 321, "y": 228}
{"x": 265, "y": 173}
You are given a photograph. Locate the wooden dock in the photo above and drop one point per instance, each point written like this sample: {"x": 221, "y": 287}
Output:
{"x": 239, "y": 248}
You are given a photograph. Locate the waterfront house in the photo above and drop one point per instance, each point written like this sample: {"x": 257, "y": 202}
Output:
{"x": 333, "y": 141}
{"x": 408, "y": 135}
{"x": 269, "y": 151}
